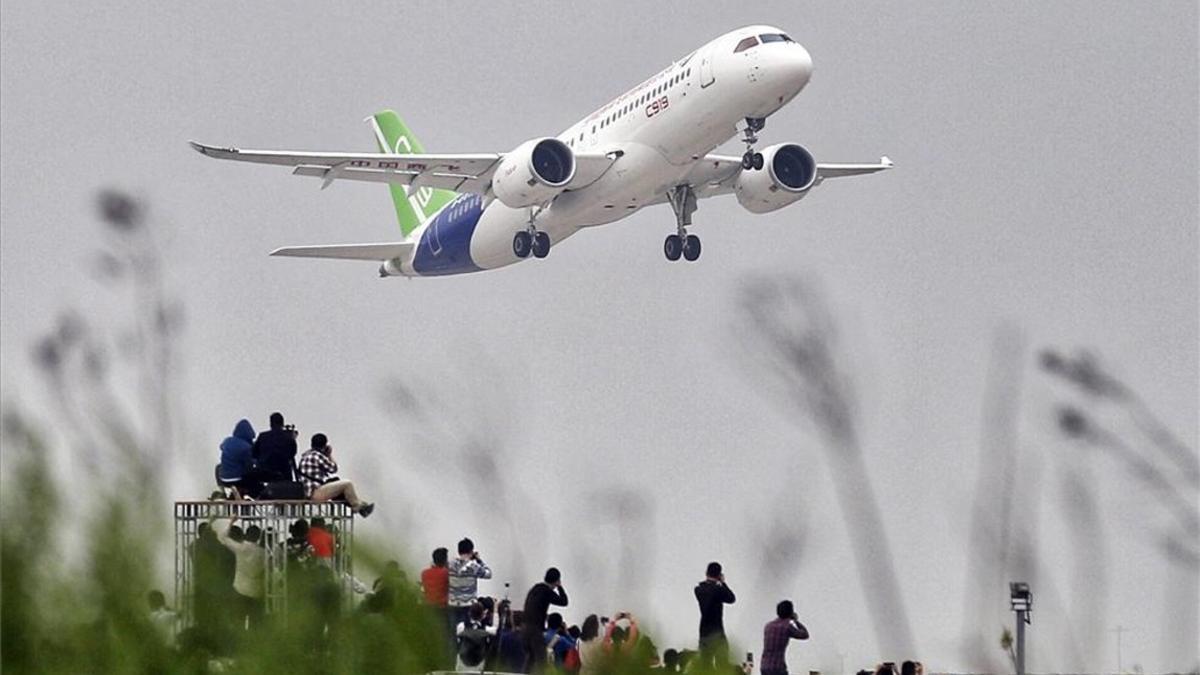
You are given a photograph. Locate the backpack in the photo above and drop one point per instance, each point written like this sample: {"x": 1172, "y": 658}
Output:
{"x": 571, "y": 663}
{"x": 472, "y": 645}
{"x": 284, "y": 489}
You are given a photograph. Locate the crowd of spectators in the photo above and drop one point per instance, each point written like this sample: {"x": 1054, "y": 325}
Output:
{"x": 490, "y": 634}
{"x": 481, "y": 633}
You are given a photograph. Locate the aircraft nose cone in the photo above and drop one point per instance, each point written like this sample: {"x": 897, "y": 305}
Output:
{"x": 798, "y": 66}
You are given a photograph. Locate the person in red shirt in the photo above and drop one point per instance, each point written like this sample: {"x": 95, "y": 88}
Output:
{"x": 435, "y": 580}
{"x": 435, "y": 585}
{"x": 321, "y": 540}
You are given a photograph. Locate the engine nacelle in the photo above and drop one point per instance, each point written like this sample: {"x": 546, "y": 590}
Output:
{"x": 788, "y": 172}
{"x": 533, "y": 173}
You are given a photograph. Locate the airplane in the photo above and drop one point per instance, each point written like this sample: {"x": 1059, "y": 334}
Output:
{"x": 462, "y": 213}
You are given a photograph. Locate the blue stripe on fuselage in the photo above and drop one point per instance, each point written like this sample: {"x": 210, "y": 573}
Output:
{"x": 445, "y": 246}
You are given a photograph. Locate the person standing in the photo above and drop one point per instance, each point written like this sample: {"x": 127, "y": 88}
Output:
{"x": 464, "y": 573}
{"x": 712, "y": 595}
{"x": 251, "y": 566}
{"x": 275, "y": 451}
{"x": 537, "y": 604}
{"x": 435, "y": 579}
{"x": 435, "y": 587}
{"x": 165, "y": 620}
{"x": 321, "y": 541}
{"x": 510, "y": 643}
{"x": 777, "y": 634}
{"x": 215, "y": 568}
{"x": 318, "y": 472}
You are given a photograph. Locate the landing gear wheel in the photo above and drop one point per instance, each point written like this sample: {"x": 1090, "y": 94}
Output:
{"x": 691, "y": 248}
{"x": 673, "y": 247}
{"x": 758, "y": 161}
{"x": 522, "y": 244}
{"x": 541, "y": 245}
{"x": 748, "y": 160}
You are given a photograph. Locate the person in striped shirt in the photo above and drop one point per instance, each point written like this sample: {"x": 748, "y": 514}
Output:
{"x": 318, "y": 472}
{"x": 465, "y": 572}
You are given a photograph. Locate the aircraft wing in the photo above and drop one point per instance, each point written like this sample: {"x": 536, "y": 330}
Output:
{"x": 715, "y": 174}
{"x": 470, "y": 173}
{"x": 375, "y": 252}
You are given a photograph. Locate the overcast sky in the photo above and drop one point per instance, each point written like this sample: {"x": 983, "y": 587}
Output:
{"x": 1046, "y": 179}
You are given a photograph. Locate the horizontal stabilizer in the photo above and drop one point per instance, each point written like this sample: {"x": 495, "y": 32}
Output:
{"x": 373, "y": 252}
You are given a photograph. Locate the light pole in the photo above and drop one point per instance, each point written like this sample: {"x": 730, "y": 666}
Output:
{"x": 1022, "y": 605}
{"x": 1118, "y": 630}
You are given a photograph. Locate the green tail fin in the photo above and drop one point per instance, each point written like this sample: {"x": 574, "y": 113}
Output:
{"x": 411, "y": 209}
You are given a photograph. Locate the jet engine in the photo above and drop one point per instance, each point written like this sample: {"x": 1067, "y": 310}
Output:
{"x": 533, "y": 173}
{"x": 788, "y": 172}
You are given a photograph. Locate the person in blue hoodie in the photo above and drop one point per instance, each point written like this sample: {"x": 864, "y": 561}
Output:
{"x": 236, "y": 460}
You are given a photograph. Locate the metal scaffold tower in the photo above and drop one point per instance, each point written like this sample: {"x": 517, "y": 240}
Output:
{"x": 275, "y": 519}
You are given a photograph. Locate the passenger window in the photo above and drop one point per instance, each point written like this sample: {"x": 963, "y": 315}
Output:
{"x": 745, "y": 44}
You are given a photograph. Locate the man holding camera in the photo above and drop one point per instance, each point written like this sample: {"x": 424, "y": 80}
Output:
{"x": 318, "y": 472}
{"x": 274, "y": 451}
{"x": 776, "y": 636}
{"x": 537, "y": 603}
{"x": 465, "y": 571}
{"x": 712, "y": 595}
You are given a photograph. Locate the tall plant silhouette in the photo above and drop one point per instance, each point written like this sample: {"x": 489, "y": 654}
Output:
{"x": 789, "y": 338}
{"x": 1159, "y": 464}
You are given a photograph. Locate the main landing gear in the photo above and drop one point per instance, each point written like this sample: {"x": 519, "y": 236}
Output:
{"x": 531, "y": 240}
{"x": 752, "y": 159}
{"x": 683, "y": 203}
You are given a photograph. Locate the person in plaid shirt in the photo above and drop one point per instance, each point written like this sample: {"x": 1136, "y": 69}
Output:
{"x": 776, "y": 636}
{"x": 318, "y": 472}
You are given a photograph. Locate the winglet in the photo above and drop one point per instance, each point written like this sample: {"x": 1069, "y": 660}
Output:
{"x": 886, "y": 161}
{"x": 212, "y": 150}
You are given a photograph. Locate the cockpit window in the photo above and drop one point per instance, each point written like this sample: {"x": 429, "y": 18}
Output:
{"x": 745, "y": 44}
{"x": 774, "y": 37}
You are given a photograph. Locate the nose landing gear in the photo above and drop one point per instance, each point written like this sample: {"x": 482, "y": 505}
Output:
{"x": 683, "y": 203}
{"x": 752, "y": 159}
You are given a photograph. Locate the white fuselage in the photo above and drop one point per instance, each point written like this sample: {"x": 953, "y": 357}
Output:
{"x": 661, "y": 128}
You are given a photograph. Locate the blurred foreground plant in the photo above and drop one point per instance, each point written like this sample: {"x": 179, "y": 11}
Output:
{"x": 82, "y": 512}
{"x": 790, "y": 343}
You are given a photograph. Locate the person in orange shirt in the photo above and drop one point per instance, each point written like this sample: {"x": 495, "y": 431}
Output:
{"x": 435, "y": 580}
{"x": 321, "y": 540}
{"x": 435, "y": 584}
